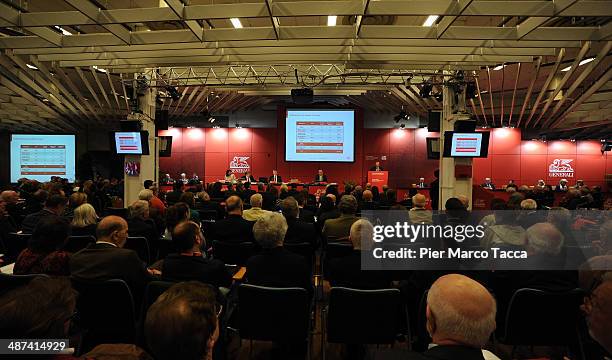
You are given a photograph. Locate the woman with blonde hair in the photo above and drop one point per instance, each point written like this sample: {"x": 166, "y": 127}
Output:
{"x": 84, "y": 221}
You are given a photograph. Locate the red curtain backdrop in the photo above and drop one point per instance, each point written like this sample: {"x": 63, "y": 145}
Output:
{"x": 208, "y": 153}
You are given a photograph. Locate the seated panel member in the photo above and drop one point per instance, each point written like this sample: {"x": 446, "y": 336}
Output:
{"x": 488, "y": 184}
{"x": 229, "y": 176}
{"x": 320, "y": 177}
{"x": 275, "y": 178}
{"x": 421, "y": 184}
{"x": 562, "y": 186}
{"x": 376, "y": 167}
{"x": 248, "y": 177}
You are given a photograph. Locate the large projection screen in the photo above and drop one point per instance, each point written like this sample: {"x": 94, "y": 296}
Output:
{"x": 320, "y": 135}
{"x": 39, "y": 157}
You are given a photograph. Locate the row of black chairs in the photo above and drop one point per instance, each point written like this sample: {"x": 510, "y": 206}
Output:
{"x": 107, "y": 314}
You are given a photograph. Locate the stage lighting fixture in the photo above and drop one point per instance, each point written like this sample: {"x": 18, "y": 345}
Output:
{"x": 470, "y": 90}
{"x": 401, "y": 116}
{"x": 426, "y": 88}
{"x": 438, "y": 96}
{"x": 173, "y": 92}
{"x": 402, "y": 126}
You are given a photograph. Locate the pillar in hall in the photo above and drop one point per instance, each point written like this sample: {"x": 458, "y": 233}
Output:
{"x": 453, "y": 110}
{"x": 149, "y": 164}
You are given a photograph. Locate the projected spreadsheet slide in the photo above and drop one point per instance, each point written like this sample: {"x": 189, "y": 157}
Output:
{"x": 320, "y": 137}
{"x": 43, "y": 160}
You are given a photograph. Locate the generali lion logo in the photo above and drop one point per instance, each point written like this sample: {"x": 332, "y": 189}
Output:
{"x": 239, "y": 164}
{"x": 561, "y": 168}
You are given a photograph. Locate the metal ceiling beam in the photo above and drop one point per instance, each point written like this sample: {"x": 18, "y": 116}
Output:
{"x": 179, "y": 9}
{"x": 566, "y": 77}
{"x": 529, "y": 90}
{"x": 77, "y": 93}
{"x": 544, "y": 88}
{"x": 447, "y": 21}
{"x": 590, "y": 91}
{"x": 12, "y": 16}
{"x": 532, "y": 23}
{"x": 89, "y": 87}
{"x": 518, "y": 75}
{"x": 102, "y": 90}
{"x": 95, "y": 13}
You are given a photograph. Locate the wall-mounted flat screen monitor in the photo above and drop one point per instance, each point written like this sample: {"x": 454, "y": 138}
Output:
{"x": 458, "y": 144}
{"x": 131, "y": 142}
{"x": 39, "y": 157}
{"x": 320, "y": 135}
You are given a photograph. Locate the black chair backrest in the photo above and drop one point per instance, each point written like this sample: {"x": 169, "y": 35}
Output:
{"x": 304, "y": 249}
{"x": 121, "y": 212}
{"x": 209, "y": 215}
{"x": 140, "y": 244}
{"x": 77, "y": 243}
{"x": 106, "y": 312}
{"x": 9, "y": 282}
{"x": 334, "y": 250}
{"x": 281, "y": 315}
{"x": 380, "y": 314}
{"x": 537, "y": 317}
{"x": 153, "y": 291}
{"x": 15, "y": 244}
{"x": 233, "y": 253}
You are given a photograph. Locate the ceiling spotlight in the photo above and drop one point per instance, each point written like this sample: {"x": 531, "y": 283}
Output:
{"x": 402, "y": 126}
{"x": 331, "y": 20}
{"x": 211, "y": 119}
{"x": 63, "y": 31}
{"x": 585, "y": 61}
{"x": 173, "y": 92}
{"x": 403, "y": 115}
{"x": 30, "y": 66}
{"x": 426, "y": 89}
{"x": 236, "y": 23}
{"x": 431, "y": 19}
{"x": 238, "y": 126}
{"x": 499, "y": 67}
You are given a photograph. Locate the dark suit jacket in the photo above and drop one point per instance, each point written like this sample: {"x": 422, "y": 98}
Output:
{"x": 278, "y": 267}
{"x": 434, "y": 191}
{"x": 307, "y": 215}
{"x": 233, "y": 229}
{"x": 278, "y": 178}
{"x": 490, "y": 186}
{"x": 339, "y": 227}
{"x": 145, "y": 228}
{"x": 268, "y": 201}
{"x": 104, "y": 262}
{"x": 299, "y": 231}
{"x": 373, "y": 168}
{"x": 30, "y": 221}
{"x": 178, "y": 267}
{"x": 83, "y": 231}
{"x": 440, "y": 352}
{"x": 368, "y": 205}
{"x": 316, "y": 178}
{"x": 251, "y": 179}
{"x": 346, "y": 271}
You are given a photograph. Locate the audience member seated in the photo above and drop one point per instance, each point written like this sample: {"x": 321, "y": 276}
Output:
{"x": 488, "y": 184}
{"x": 389, "y": 199}
{"x": 74, "y": 201}
{"x": 7, "y": 225}
{"x": 234, "y": 228}
{"x": 84, "y": 221}
{"x": 43, "y": 254}
{"x": 529, "y": 214}
{"x": 460, "y": 317}
{"x": 203, "y": 202}
{"x": 42, "y": 309}
{"x": 327, "y": 210}
{"x": 341, "y": 226}
{"x": 189, "y": 263}
{"x": 418, "y": 214}
{"x": 54, "y": 206}
{"x": 255, "y": 212}
{"x": 346, "y": 271}
{"x": 13, "y": 208}
{"x": 148, "y": 195}
{"x": 173, "y": 196}
{"x": 174, "y": 215}
{"x": 298, "y": 231}
{"x": 320, "y": 177}
{"x": 275, "y": 178}
{"x": 276, "y": 266}
{"x": 306, "y": 214}
{"x": 139, "y": 223}
{"x": 506, "y": 231}
{"x": 106, "y": 259}
{"x": 36, "y": 202}
{"x": 183, "y": 323}
{"x": 367, "y": 201}
{"x": 597, "y": 309}
{"x": 248, "y": 177}
{"x": 189, "y": 199}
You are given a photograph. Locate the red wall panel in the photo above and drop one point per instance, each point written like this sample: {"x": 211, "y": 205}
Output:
{"x": 561, "y": 147}
{"x": 481, "y": 169}
{"x": 533, "y": 168}
{"x": 193, "y": 140}
{"x": 216, "y": 163}
{"x": 240, "y": 140}
{"x": 590, "y": 168}
{"x": 505, "y": 168}
{"x": 591, "y": 147}
{"x": 216, "y": 140}
{"x": 534, "y": 147}
{"x": 505, "y": 141}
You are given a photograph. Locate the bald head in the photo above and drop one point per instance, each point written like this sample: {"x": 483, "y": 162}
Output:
{"x": 419, "y": 200}
{"x": 544, "y": 238}
{"x": 598, "y": 312}
{"x": 233, "y": 205}
{"x": 460, "y": 311}
{"x": 9, "y": 197}
{"x": 112, "y": 229}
